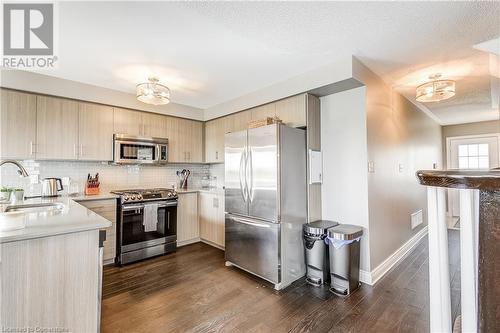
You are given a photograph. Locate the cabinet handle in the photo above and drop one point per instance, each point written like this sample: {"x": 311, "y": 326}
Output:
{"x": 32, "y": 148}
{"x": 81, "y": 150}
{"x": 216, "y": 155}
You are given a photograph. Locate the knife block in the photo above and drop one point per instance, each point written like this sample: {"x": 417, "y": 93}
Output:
{"x": 91, "y": 189}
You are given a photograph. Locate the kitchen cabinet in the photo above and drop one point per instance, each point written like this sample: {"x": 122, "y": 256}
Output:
{"x": 187, "y": 219}
{"x": 214, "y": 140}
{"x": 211, "y": 210}
{"x": 263, "y": 111}
{"x": 56, "y": 128}
{"x": 237, "y": 121}
{"x": 185, "y": 140}
{"x": 107, "y": 209}
{"x": 17, "y": 125}
{"x": 155, "y": 125}
{"x": 128, "y": 122}
{"x": 292, "y": 110}
{"x": 95, "y": 131}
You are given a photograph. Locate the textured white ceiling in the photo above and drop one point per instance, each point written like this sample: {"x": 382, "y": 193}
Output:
{"x": 211, "y": 52}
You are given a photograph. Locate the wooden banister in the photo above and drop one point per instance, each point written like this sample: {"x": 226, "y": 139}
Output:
{"x": 479, "y": 248}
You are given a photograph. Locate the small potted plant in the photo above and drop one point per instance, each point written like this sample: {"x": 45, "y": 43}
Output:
{"x": 5, "y": 193}
{"x": 17, "y": 195}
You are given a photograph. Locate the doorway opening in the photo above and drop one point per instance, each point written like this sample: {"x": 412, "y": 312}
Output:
{"x": 472, "y": 152}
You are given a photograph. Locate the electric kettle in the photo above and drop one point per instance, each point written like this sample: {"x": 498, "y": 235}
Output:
{"x": 50, "y": 187}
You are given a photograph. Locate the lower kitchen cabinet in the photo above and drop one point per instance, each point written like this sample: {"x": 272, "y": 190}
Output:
{"x": 188, "y": 230}
{"x": 211, "y": 212}
{"x": 107, "y": 209}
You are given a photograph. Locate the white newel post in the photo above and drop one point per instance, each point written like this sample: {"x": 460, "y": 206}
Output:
{"x": 439, "y": 275}
{"x": 469, "y": 224}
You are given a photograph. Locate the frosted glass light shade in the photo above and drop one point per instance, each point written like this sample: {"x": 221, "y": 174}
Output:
{"x": 153, "y": 92}
{"x": 435, "y": 91}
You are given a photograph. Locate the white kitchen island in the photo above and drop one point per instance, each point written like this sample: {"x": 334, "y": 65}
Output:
{"x": 50, "y": 268}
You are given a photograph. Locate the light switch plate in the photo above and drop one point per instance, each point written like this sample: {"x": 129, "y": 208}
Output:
{"x": 371, "y": 167}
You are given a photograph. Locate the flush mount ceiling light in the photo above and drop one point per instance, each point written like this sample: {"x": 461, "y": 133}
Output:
{"x": 153, "y": 92}
{"x": 435, "y": 90}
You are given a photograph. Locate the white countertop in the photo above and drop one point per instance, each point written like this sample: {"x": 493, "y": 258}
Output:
{"x": 72, "y": 217}
{"x": 100, "y": 196}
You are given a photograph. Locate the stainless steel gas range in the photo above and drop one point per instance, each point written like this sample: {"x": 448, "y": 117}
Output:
{"x": 147, "y": 223}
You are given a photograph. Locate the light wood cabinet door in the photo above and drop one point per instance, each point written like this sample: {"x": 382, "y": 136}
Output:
{"x": 17, "y": 125}
{"x": 128, "y": 122}
{"x": 187, "y": 218}
{"x": 211, "y": 209}
{"x": 214, "y": 140}
{"x": 56, "y": 128}
{"x": 95, "y": 132}
{"x": 292, "y": 110}
{"x": 263, "y": 111}
{"x": 175, "y": 152}
{"x": 196, "y": 143}
{"x": 107, "y": 209}
{"x": 238, "y": 121}
{"x": 155, "y": 125}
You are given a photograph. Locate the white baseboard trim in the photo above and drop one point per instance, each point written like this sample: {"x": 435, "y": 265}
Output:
{"x": 187, "y": 242}
{"x": 376, "y": 274}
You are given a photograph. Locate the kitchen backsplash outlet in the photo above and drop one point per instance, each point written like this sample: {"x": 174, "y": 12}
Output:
{"x": 112, "y": 177}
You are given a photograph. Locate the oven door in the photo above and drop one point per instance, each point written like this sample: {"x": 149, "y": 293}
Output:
{"x": 132, "y": 234}
{"x": 128, "y": 152}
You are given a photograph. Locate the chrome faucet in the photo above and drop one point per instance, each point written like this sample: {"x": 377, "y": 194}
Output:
{"x": 21, "y": 170}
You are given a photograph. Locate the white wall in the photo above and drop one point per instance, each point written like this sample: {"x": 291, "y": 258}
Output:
{"x": 401, "y": 140}
{"x": 49, "y": 85}
{"x": 345, "y": 184}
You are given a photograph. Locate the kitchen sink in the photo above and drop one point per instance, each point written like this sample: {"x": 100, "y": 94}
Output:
{"x": 38, "y": 207}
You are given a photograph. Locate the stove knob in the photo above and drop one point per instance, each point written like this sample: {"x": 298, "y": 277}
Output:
{"x": 169, "y": 194}
{"x": 125, "y": 198}
{"x": 133, "y": 197}
{"x": 139, "y": 197}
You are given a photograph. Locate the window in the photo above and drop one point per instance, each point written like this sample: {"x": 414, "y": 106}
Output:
{"x": 475, "y": 156}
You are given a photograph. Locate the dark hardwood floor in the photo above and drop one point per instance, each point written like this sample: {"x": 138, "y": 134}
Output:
{"x": 192, "y": 291}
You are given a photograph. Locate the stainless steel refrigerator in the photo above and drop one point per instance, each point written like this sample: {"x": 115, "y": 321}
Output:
{"x": 266, "y": 202}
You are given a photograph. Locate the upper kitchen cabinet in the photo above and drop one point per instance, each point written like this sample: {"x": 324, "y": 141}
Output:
{"x": 237, "y": 121}
{"x": 155, "y": 125}
{"x": 196, "y": 149}
{"x": 56, "y": 128}
{"x": 214, "y": 140}
{"x": 95, "y": 132}
{"x": 128, "y": 122}
{"x": 185, "y": 140}
{"x": 263, "y": 111}
{"x": 17, "y": 125}
{"x": 292, "y": 110}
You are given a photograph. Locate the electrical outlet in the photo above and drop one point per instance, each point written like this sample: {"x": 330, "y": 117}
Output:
{"x": 417, "y": 219}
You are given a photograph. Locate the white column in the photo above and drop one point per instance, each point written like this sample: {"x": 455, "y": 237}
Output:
{"x": 469, "y": 217}
{"x": 439, "y": 275}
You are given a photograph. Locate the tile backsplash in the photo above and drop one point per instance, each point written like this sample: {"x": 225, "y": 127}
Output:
{"x": 111, "y": 176}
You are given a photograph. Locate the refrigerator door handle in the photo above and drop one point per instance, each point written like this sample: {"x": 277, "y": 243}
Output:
{"x": 250, "y": 178}
{"x": 250, "y": 222}
{"x": 242, "y": 173}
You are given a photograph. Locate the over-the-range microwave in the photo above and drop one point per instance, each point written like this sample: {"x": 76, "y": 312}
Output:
{"x": 129, "y": 149}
